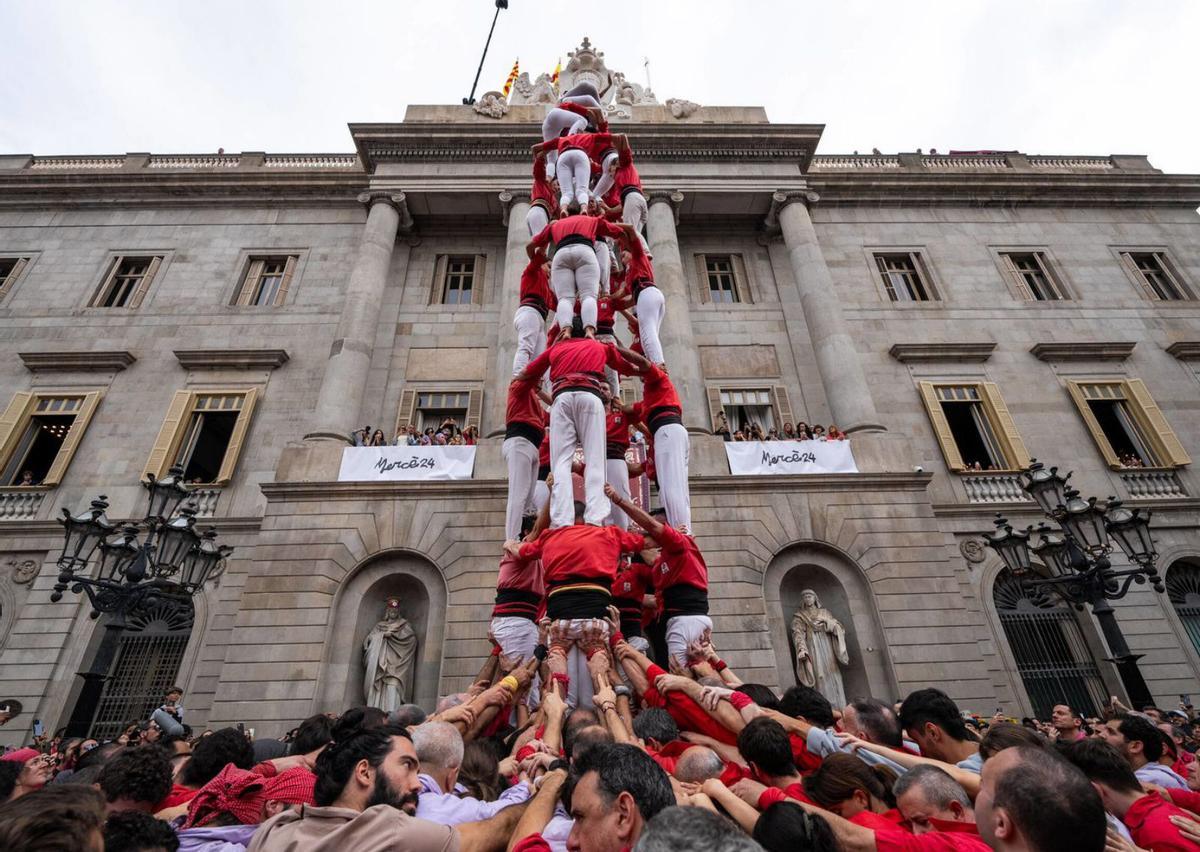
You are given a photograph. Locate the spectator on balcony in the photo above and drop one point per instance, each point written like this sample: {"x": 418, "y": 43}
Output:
{"x": 721, "y": 427}
{"x": 470, "y": 435}
{"x": 772, "y": 434}
{"x": 427, "y": 437}
{"x": 835, "y": 434}
{"x": 455, "y": 440}
{"x": 362, "y": 437}
{"x": 756, "y": 433}
{"x": 739, "y": 435}
{"x": 377, "y": 439}
{"x": 818, "y": 432}
{"x": 789, "y": 432}
{"x": 27, "y": 479}
{"x": 802, "y": 432}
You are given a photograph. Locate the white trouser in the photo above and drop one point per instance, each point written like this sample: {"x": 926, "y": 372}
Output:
{"x": 640, "y": 644}
{"x": 574, "y": 171}
{"x": 582, "y": 100}
{"x": 610, "y": 374}
{"x": 517, "y": 637}
{"x": 604, "y": 184}
{"x": 651, "y": 307}
{"x": 574, "y": 273}
{"x": 671, "y": 450}
{"x": 633, "y": 212}
{"x": 531, "y": 336}
{"x": 683, "y": 630}
{"x": 541, "y": 495}
{"x": 617, "y": 473}
{"x": 577, "y": 417}
{"x": 604, "y": 261}
{"x": 579, "y": 691}
{"x": 555, "y": 122}
{"x": 522, "y": 459}
{"x": 537, "y": 219}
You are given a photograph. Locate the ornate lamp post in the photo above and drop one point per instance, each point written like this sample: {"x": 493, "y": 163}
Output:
{"x": 1076, "y": 558}
{"x": 172, "y": 563}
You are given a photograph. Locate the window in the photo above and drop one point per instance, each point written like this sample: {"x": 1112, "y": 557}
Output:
{"x": 721, "y": 279}
{"x": 126, "y": 282}
{"x": 39, "y": 433}
{"x": 203, "y": 433}
{"x": 767, "y": 407}
{"x": 1031, "y": 273}
{"x": 904, "y": 276}
{"x": 428, "y": 408}
{"x": 266, "y": 281}
{"x": 1156, "y": 274}
{"x": 10, "y": 270}
{"x": 1183, "y": 590}
{"x": 1126, "y": 424}
{"x": 973, "y": 426}
{"x": 458, "y": 279}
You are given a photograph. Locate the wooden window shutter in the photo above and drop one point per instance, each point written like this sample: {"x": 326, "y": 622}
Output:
{"x": 250, "y": 283}
{"x": 1016, "y": 277}
{"x": 238, "y": 438}
{"x": 941, "y": 427}
{"x": 783, "y": 407}
{"x": 741, "y": 280}
{"x": 74, "y": 435}
{"x": 98, "y": 296}
{"x": 714, "y": 404}
{"x": 703, "y": 296}
{"x": 169, "y": 435}
{"x": 478, "y": 280}
{"x": 1171, "y": 449}
{"x": 11, "y": 422}
{"x": 1136, "y": 274}
{"x": 1093, "y": 425}
{"x": 408, "y": 406}
{"x": 437, "y": 291}
{"x": 1014, "y": 448}
{"x": 289, "y": 270}
{"x": 144, "y": 285}
{"x": 15, "y": 274}
{"x": 474, "y": 408}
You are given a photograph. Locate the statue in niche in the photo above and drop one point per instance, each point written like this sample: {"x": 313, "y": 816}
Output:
{"x": 389, "y": 655}
{"x": 820, "y": 648}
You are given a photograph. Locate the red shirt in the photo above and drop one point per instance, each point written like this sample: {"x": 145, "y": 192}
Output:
{"x": 773, "y": 795}
{"x": 535, "y": 285}
{"x": 1148, "y": 822}
{"x": 878, "y": 823}
{"x": 595, "y": 144}
{"x": 581, "y": 552}
{"x": 804, "y": 759}
{"x": 688, "y": 715}
{"x": 630, "y": 585}
{"x": 580, "y": 109}
{"x": 1187, "y": 799}
{"x": 521, "y": 574}
{"x": 958, "y": 840}
{"x": 658, "y": 392}
{"x": 616, "y": 427}
{"x": 544, "y": 446}
{"x": 680, "y": 562}
{"x": 669, "y": 755}
{"x": 580, "y": 225}
{"x": 639, "y": 268}
{"x": 179, "y": 795}
{"x": 541, "y": 189}
{"x": 524, "y": 405}
{"x": 627, "y": 178}
{"x": 572, "y": 359}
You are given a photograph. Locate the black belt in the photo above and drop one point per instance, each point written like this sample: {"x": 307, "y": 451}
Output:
{"x": 537, "y": 304}
{"x": 577, "y": 240}
{"x": 601, "y": 328}
{"x": 578, "y": 603}
{"x": 641, "y": 284}
{"x": 625, "y": 190}
{"x": 521, "y": 429}
{"x": 616, "y": 451}
{"x": 684, "y": 599}
{"x": 543, "y": 472}
{"x": 663, "y": 416}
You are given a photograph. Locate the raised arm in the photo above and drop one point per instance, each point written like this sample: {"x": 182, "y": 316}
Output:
{"x": 540, "y": 809}
{"x": 635, "y": 512}
{"x": 635, "y": 360}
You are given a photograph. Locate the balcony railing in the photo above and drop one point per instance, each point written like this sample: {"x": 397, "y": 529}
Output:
{"x": 21, "y": 504}
{"x": 206, "y": 501}
{"x": 1152, "y": 484}
{"x": 994, "y": 488}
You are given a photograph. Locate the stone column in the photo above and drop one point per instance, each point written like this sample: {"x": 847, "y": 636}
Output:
{"x": 349, "y": 361}
{"x": 516, "y": 205}
{"x": 678, "y": 341}
{"x": 842, "y": 376}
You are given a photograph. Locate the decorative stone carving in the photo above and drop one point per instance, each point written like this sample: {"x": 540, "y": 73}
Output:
{"x": 389, "y": 655}
{"x": 24, "y": 570}
{"x": 681, "y": 108}
{"x": 492, "y": 105}
{"x": 540, "y": 91}
{"x": 972, "y": 551}
{"x": 820, "y": 648}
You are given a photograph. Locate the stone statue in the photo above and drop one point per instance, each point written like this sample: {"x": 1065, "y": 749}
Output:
{"x": 820, "y": 648}
{"x": 492, "y": 105}
{"x": 543, "y": 91}
{"x": 681, "y": 108}
{"x": 389, "y": 653}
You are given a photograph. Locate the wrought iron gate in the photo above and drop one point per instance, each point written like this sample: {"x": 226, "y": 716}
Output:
{"x": 1183, "y": 588}
{"x": 146, "y": 665}
{"x": 1053, "y": 657}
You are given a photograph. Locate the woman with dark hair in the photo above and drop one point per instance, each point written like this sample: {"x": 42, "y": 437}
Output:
{"x": 854, "y": 791}
{"x": 1004, "y": 735}
{"x": 377, "y": 439}
{"x": 480, "y": 772}
{"x": 787, "y": 827}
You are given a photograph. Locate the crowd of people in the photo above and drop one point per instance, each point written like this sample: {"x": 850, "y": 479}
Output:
{"x": 448, "y": 433}
{"x": 753, "y": 431}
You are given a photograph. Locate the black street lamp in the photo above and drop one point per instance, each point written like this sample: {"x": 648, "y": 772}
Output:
{"x": 1076, "y": 559}
{"x": 170, "y": 565}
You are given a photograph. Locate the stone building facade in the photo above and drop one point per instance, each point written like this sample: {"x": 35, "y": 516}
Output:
{"x": 943, "y": 308}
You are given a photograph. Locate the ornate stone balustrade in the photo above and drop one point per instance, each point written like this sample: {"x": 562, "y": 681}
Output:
{"x": 1152, "y": 484}
{"x": 1071, "y": 164}
{"x": 994, "y": 488}
{"x": 21, "y": 504}
{"x": 838, "y": 162}
{"x": 311, "y": 161}
{"x": 194, "y": 161}
{"x": 946, "y": 163}
{"x": 75, "y": 164}
{"x": 205, "y": 500}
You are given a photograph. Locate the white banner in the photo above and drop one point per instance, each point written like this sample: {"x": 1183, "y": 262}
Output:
{"x": 760, "y": 458}
{"x": 382, "y": 464}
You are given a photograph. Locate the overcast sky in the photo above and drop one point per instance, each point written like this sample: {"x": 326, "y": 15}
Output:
{"x": 1051, "y": 77}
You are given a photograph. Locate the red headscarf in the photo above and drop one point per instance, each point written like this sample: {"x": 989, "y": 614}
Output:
{"x": 243, "y": 794}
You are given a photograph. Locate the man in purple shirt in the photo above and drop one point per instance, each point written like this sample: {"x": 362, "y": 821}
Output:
{"x": 439, "y": 748}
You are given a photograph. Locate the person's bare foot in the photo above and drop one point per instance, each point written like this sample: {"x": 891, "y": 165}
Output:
{"x": 590, "y": 332}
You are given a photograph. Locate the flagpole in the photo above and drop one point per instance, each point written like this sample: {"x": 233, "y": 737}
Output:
{"x": 500, "y": 4}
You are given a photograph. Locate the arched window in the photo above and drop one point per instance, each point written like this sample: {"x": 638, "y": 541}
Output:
{"x": 1052, "y": 655}
{"x": 145, "y": 667}
{"x": 1183, "y": 588}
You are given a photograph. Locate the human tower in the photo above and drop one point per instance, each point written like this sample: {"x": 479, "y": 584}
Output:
{"x": 569, "y": 560}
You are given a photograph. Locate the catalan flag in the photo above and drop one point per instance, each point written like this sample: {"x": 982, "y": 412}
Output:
{"x": 557, "y": 71}
{"x": 512, "y": 77}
